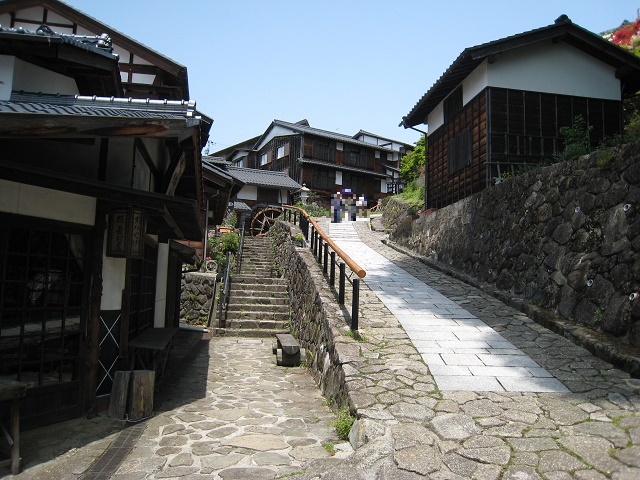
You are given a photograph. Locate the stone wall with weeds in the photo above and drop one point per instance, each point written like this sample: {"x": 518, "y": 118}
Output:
{"x": 564, "y": 237}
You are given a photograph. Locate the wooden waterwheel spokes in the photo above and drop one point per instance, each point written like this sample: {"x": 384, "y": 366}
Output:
{"x": 264, "y": 220}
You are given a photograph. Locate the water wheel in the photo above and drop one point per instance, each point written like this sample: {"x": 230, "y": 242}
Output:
{"x": 263, "y": 220}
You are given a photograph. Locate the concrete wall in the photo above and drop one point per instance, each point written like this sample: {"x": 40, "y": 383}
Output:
{"x": 564, "y": 237}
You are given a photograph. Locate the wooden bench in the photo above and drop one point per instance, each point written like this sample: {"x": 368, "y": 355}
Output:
{"x": 288, "y": 351}
{"x": 154, "y": 343}
{"x": 12, "y": 391}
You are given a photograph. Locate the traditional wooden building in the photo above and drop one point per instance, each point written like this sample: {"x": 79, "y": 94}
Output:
{"x": 95, "y": 189}
{"x": 501, "y": 105}
{"x": 327, "y": 162}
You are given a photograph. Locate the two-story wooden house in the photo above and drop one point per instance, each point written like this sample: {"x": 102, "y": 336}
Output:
{"x": 95, "y": 187}
{"x": 327, "y": 162}
{"x": 501, "y": 105}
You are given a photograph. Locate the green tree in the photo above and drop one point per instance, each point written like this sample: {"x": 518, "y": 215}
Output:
{"x": 412, "y": 164}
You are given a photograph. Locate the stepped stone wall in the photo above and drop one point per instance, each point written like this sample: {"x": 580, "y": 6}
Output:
{"x": 319, "y": 328}
{"x": 196, "y": 296}
{"x": 564, "y": 238}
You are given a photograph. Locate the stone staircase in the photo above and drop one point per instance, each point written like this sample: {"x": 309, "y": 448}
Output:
{"x": 259, "y": 298}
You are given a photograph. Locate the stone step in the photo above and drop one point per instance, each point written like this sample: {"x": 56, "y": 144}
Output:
{"x": 253, "y": 315}
{"x": 251, "y": 312}
{"x": 256, "y": 324}
{"x": 248, "y": 332}
{"x": 247, "y": 290}
{"x": 258, "y": 279}
{"x": 258, "y": 300}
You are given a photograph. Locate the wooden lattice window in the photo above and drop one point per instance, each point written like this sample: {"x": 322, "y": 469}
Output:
{"x": 141, "y": 288}
{"x": 42, "y": 291}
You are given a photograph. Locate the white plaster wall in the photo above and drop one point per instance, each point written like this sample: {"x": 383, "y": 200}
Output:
{"x": 162, "y": 266}
{"x": 45, "y": 203}
{"x": 113, "y": 280}
{"x": 436, "y": 118}
{"x": 276, "y": 131}
{"x": 248, "y": 192}
{"x": 543, "y": 67}
{"x": 474, "y": 83}
{"x": 32, "y": 78}
{"x": 554, "y": 68}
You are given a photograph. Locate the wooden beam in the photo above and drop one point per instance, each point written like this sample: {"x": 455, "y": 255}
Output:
{"x": 171, "y": 222}
{"x": 142, "y": 149}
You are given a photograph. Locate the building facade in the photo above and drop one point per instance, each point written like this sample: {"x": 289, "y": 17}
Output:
{"x": 501, "y": 105}
{"x": 326, "y": 162}
{"x": 95, "y": 189}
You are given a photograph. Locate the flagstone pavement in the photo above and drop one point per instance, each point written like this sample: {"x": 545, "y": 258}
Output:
{"x": 447, "y": 383}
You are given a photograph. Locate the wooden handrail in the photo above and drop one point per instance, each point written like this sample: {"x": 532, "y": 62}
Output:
{"x": 359, "y": 271}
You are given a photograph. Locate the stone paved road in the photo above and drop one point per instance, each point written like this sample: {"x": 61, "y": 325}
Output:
{"x": 408, "y": 428}
{"x": 461, "y": 351}
{"x": 232, "y": 414}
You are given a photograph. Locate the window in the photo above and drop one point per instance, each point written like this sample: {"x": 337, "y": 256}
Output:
{"x": 453, "y": 104}
{"x": 280, "y": 151}
{"x": 264, "y": 159}
{"x": 324, "y": 179}
{"x": 353, "y": 157}
{"x": 141, "y": 290}
{"x": 42, "y": 278}
{"x": 321, "y": 150}
{"x": 459, "y": 151}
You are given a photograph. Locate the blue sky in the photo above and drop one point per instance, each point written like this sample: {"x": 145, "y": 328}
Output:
{"x": 343, "y": 65}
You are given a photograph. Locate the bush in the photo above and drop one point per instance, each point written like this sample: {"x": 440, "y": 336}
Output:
{"x": 314, "y": 209}
{"x": 343, "y": 423}
{"x": 576, "y": 140}
{"x": 219, "y": 246}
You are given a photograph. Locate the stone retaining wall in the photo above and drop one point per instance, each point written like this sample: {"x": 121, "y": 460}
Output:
{"x": 316, "y": 321}
{"x": 564, "y": 238}
{"x": 195, "y": 297}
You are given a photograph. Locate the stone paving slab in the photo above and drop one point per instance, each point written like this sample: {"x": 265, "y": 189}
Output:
{"x": 225, "y": 420}
{"x": 234, "y": 414}
{"x": 466, "y": 343}
{"x": 589, "y": 431}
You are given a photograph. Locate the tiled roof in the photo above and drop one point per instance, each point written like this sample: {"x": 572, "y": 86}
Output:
{"x": 101, "y": 44}
{"x": 83, "y": 115}
{"x": 302, "y": 128}
{"x": 627, "y": 64}
{"x": 98, "y": 106}
{"x": 369, "y": 134}
{"x": 264, "y": 178}
{"x": 214, "y": 160}
{"x": 335, "y": 166}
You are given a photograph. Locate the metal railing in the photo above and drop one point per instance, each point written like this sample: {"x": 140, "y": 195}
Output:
{"x": 224, "y": 292}
{"x": 329, "y": 256}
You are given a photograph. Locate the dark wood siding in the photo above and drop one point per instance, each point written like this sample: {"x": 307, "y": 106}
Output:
{"x": 286, "y": 163}
{"x": 524, "y": 127}
{"x": 510, "y": 129}
{"x": 444, "y": 188}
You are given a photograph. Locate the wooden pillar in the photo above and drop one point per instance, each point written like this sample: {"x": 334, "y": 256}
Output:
{"x": 92, "y": 340}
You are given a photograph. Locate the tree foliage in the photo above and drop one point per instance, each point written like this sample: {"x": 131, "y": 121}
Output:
{"x": 412, "y": 164}
{"x": 628, "y": 36}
